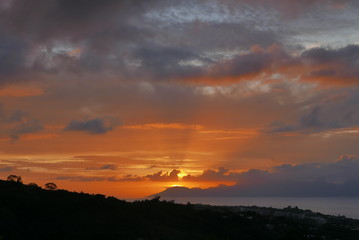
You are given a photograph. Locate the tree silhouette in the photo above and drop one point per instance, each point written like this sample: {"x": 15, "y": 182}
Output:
{"x": 14, "y": 178}
{"x": 50, "y": 186}
{"x": 34, "y": 185}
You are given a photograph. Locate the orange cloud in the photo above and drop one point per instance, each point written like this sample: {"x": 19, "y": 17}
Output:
{"x": 230, "y": 134}
{"x": 248, "y": 132}
{"x": 179, "y": 126}
{"x": 38, "y": 136}
{"x": 75, "y": 52}
{"x": 20, "y": 91}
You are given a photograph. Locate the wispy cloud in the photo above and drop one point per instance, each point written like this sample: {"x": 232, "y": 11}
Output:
{"x": 93, "y": 126}
{"x": 175, "y": 126}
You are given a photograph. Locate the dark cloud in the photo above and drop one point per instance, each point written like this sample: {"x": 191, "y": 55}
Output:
{"x": 156, "y": 62}
{"x": 17, "y": 116}
{"x": 56, "y": 27}
{"x": 164, "y": 177}
{"x": 104, "y": 167}
{"x": 335, "y": 111}
{"x": 221, "y": 174}
{"x": 310, "y": 119}
{"x": 30, "y": 126}
{"x": 165, "y": 62}
{"x": 156, "y": 177}
{"x": 127, "y": 39}
{"x": 340, "y": 171}
{"x": 347, "y": 55}
{"x": 12, "y": 57}
{"x": 13, "y": 116}
{"x": 61, "y": 19}
{"x": 291, "y": 10}
{"x": 6, "y": 169}
{"x": 108, "y": 167}
{"x": 93, "y": 126}
{"x": 230, "y": 36}
{"x": 279, "y": 127}
{"x": 18, "y": 123}
{"x": 252, "y": 63}
{"x": 340, "y": 65}
{"x": 42, "y": 33}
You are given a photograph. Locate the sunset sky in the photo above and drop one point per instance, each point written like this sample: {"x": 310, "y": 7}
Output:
{"x": 127, "y": 98}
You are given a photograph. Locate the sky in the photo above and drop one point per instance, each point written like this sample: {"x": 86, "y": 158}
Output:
{"x": 127, "y": 98}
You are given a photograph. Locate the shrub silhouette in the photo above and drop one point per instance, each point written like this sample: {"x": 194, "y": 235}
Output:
{"x": 34, "y": 185}
{"x": 50, "y": 186}
{"x": 14, "y": 178}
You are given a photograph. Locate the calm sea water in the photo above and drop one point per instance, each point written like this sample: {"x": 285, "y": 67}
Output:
{"x": 348, "y": 207}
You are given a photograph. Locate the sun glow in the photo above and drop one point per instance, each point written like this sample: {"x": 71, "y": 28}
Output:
{"x": 182, "y": 174}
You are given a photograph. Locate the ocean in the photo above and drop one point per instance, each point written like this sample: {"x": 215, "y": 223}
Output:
{"x": 348, "y": 207}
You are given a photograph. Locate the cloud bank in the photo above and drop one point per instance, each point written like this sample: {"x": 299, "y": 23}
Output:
{"x": 138, "y": 41}
{"x": 302, "y": 180}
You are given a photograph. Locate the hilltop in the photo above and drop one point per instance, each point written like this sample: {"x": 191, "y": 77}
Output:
{"x": 30, "y": 212}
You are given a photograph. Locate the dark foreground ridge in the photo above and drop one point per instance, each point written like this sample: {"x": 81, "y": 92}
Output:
{"x": 30, "y": 212}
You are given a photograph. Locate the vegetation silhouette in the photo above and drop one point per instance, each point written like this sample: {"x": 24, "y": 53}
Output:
{"x": 14, "y": 178}
{"x": 30, "y": 212}
{"x": 34, "y": 185}
{"x": 50, "y": 186}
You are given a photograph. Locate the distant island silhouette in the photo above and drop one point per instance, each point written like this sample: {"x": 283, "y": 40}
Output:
{"x": 318, "y": 188}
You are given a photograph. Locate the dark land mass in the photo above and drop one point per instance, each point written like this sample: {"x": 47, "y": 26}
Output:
{"x": 30, "y": 212}
{"x": 278, "y": 188}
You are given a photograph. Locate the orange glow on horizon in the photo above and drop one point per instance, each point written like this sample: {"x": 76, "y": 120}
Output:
{"x": 131, "y": 189}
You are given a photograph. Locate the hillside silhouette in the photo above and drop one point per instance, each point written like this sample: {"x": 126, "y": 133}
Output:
{"x": 30, "y": 212}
